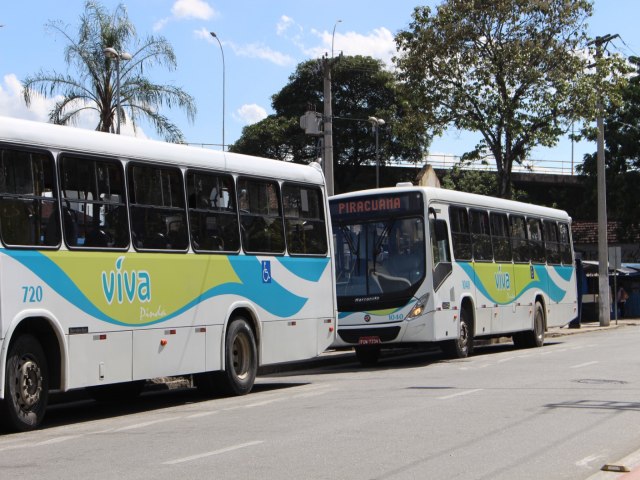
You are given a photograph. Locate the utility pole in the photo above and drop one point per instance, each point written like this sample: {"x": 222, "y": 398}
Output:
{"x": 327, "y": 157}
{"x": 604, "y": 300}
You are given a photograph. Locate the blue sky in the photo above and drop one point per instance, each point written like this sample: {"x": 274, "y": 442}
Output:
{"x": 263, "y": 41}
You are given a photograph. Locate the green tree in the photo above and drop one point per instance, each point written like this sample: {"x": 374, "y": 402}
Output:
{"x": 362, "y": 87}
{"x": 94, "y": 85}
{"x": 513, "y": 70}
{"x": 622, "y": 159}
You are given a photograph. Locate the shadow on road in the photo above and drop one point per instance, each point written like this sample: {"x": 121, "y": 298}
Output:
{"x": 77, "y": 407}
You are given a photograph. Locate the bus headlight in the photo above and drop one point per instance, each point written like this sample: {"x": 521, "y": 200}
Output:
{"x": 419, "y": 308}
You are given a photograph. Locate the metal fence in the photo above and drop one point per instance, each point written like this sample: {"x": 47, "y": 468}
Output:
{"x": 554, "y": 167}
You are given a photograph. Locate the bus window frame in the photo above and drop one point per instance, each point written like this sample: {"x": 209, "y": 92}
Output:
{"x": 131, "y": 185}
{"x": 484, "y": 216}
{"x": 233, "y": 196}
{"x": 55, "y": 199}
{"x": 552, "y": 257}
{"x": 247, "y": 213}
{"x": 523, "y": 242}
{"x": 323, "y": 211}
{"x": 124, "y": 203}
{"x": 506, "y": 238}
{"x": 455, "y": 234}
{"x": 536, "y": 244}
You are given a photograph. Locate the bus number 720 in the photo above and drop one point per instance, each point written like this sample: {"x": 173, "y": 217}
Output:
{"x": 32, "y": 294}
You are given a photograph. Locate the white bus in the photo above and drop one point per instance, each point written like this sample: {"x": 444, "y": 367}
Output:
{"x": 421, "y": 264}
{"x": 124, "y": 259}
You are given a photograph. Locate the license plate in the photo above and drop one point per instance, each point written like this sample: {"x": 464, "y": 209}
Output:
{"x": 370, "y": 340}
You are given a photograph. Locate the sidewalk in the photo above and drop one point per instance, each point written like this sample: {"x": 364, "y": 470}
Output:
{"x": 591, "y": 327}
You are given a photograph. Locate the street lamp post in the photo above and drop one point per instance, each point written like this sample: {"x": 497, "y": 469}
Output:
{"x": 112, "y": 53}
{"x": 213, "y": 34}
{"x": 377, "y": 123}
{"x": 333, "y": 35}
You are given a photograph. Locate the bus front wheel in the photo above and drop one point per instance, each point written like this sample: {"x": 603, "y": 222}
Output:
{"x": 462, "y": 346}
{"x": 26, "y": 385}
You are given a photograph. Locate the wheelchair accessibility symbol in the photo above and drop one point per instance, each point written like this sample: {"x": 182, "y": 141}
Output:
{"x": 266, "y": 271}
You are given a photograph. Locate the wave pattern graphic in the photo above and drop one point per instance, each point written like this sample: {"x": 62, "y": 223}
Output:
{"x": 272, "y": 297}
{"x": 542, "y": 281}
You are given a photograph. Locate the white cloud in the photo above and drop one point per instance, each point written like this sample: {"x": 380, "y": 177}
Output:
{"x": 192, "y": 9}
{"x": 187, "y": 10}
{"x": 378, "y": 44}
{"x": 250, "y": 113}
{"x": 286, "y": 24}
{"x": 159, "y": 25}
{"x": 12, "y": 102}
{"x": 257, "y": 50}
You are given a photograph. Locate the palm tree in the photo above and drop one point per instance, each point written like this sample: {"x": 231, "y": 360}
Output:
{"x": 94, "y": 86}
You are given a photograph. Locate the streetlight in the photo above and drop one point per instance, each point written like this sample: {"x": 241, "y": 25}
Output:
{"x": 112, "y": 53}
{"x": 213, "y": 34}
{"x": 333, "y": 35}
{"x": 377, "y": 123}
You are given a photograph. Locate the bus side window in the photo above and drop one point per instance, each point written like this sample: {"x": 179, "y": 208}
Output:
{"x": 213, "y": 220}
{"x": 460, "y": 233}
{"x": 551, "y": 242}
{"x": 93, "y": 202}
{"x": 304, "y": 220}
{"x": 440, "y": 251}
{"x": 439, "y": 241}
{"x": 158, "y": 213}
{"x": 536, "y": 240}
{"x": 28, "y": 199}
{"x": 500, "y": 237}
{"x": 480, "y": 235}
{"x": 262, "y": 229}
{"x": 565, "y": 244}
{"x": 519, "y": 239}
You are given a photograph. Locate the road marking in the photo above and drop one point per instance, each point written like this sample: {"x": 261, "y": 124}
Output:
{"x": 507, "y": 359}
{"x": 215, "y": 452}
{"x": 459, "y": 394}
{"x": 201, "y": 414}
{"x": 55, "y": 440}
{"x": 584, "y": 364}
{"x": 587, "y": 461}
{"x": 264, "y": 402}
{"x": 146, "y": 424}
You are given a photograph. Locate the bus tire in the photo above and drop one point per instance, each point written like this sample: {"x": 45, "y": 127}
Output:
{"x": 532, "y": 338}
{"x": 241, "y": 363}
{"x": 367, "y": 356}
{"x": 26, "y": 385}
{"x": 462, "y": 346}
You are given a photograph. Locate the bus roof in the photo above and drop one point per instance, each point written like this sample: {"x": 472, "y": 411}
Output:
{"x": 463, "y": 198}
{"x": 70, "y": 139}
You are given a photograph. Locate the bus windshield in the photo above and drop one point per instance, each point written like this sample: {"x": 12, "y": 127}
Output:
{"x": 379, "y": 263}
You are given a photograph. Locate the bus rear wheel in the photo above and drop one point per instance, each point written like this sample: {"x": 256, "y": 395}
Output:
{"x": 532, "y": 338}
{"x": 26, "y": 385}
{"x": 241, "y": 363}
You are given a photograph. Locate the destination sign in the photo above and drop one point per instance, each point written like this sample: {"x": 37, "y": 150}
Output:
{"x": 377, "y": 205}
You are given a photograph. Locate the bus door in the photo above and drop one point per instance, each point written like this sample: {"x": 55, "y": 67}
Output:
{"x": 484, "y": 267}
{"x": 444, "y": 290}
{"x": 503, "y": 275}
